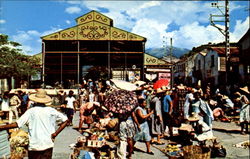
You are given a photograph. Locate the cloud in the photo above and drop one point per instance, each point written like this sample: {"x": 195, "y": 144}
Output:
{"x": 68, "y": 22}
{"x": 240, "y": 29}
{"x": 153, "y": 31}
{"x": 72, "y": 10}
{"x": 2, "y": 21}
{"x": 30, "y": 40}
{"x": 151, "y": 19}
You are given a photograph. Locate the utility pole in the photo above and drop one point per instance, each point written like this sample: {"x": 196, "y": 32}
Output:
{"x": 225, "y": 31}
{"x": 171, "y": 61}
{"x": 170, "y": 58}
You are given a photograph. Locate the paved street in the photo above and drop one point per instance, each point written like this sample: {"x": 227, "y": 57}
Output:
{"x": 227, "y": 139}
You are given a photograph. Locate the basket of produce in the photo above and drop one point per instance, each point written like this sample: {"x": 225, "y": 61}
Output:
{"x": 173, "y": 151}
{"x": 196, "y": 152}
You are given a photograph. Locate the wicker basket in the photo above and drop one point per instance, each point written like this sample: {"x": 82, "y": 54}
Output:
{"x": 196, "y": 152}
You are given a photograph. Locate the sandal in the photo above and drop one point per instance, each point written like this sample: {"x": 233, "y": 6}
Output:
{"x": 159, "y": 143}
{"x": 150, "y": 153}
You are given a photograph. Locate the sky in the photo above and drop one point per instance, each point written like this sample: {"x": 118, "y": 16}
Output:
{"x": 186, "y": 22}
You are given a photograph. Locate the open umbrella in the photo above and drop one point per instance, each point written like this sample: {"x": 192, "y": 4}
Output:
{"x": 160, "y": 83}
{"x": 140, "y": 83}
{"x": 120, "y": 84}
{"x": 121, "y": 102}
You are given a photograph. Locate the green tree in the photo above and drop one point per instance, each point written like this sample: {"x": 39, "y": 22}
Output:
{"x": 13, "y": 62}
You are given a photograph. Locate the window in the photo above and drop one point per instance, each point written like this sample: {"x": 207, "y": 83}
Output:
{"x": 212, "y": 61}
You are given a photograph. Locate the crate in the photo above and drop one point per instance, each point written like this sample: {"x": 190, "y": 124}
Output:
{"x": 4, "y": 145}
{"x": 95, "y": 143}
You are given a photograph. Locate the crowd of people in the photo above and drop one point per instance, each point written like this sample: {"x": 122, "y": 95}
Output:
{"x": 158, "y": 111}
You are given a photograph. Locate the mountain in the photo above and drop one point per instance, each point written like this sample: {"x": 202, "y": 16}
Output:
{"x": 160, "y": 52}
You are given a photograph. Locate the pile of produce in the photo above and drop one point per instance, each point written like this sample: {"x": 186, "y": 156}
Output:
{"x": 19, "y": 144}
{"x": 173, "y": 150}
{"x": 244, "y": 144}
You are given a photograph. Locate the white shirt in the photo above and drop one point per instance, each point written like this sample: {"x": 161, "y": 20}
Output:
{"x": 92, "y": 97}
{"x": 70, "y": 102}
{"x": 41, "y": 124}
{"x": 5, "y": 105}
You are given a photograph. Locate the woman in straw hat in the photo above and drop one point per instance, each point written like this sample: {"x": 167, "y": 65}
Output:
{"x": 41, "y": 122}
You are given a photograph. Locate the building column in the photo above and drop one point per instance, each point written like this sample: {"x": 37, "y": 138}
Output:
{"x": 78, "y": 62}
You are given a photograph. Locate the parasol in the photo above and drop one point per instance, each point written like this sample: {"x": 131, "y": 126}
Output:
{"x": 121, "y": 101}
{"x": 123, "y": 85}
{"x": 160, "y": 83}
{"x": 140, "y": 83}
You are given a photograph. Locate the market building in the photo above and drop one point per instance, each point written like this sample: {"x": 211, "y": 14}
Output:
{"x": 156, "y": 68}
{"x": 94, "y": 42}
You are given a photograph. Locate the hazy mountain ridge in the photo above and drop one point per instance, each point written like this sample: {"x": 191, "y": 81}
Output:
{"x": 160, "y": 52}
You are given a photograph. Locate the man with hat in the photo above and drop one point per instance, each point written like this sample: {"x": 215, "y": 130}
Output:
{"x": 41, "y": 122}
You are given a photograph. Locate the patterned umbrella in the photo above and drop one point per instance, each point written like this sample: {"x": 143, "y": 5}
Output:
{"x": 121, "y": 101}
{"x": 160, "y": 83}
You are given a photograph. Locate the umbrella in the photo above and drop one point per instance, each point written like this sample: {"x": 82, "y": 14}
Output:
{"x": 160, "y": 83}
{"x": 140, "y": 83}
{"x": 123, "y": 85}
{"x": 121, "y": 101}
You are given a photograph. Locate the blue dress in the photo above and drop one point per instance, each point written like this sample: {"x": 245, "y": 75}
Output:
{"x": 144, "y": 134}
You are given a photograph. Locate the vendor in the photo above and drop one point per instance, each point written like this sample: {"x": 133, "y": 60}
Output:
{"x": 202, "y": 110}
{"x": 143, "y": 133}
{"x": 86, "y": 113}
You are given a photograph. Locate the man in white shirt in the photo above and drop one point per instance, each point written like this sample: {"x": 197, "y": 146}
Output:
{"x": 41, "y": 122}
{"x": 70, "y": 106}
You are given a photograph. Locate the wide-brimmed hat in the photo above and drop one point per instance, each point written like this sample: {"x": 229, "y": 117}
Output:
{"x": 224, "y": 97}
{"x": 193, "y": 117}
{"x": 181, "y": 86}
{"x": 164, "y": 88}
{"x": 186, "y": 127}
{"x": 112, "y": 123}
{"x": 40, "y": 96}
{"x": 159, "y": 90}
{"x": 245, "y": 89}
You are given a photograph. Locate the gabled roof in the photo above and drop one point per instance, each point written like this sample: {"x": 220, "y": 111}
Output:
{"x": 94, "y": 16}
{"x": 221, "y": 50}
{"x": 93, "y": 26}
{"x": 245, "y": 35}
{"x": 152, "y": 60}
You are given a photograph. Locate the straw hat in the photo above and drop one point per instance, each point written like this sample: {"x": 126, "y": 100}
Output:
{"x": 159, "y": 90}
{"x": 40, "y": 97}
{"x": 185, "y": 127}
{"x": 181, "y": 86}
{"x": 224, "y": 97}
{"x": 164, "y": 88}
{"x": 112, "y": 123}
{"x": 245, "y": 89}
{"x": 193, "y": 117}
